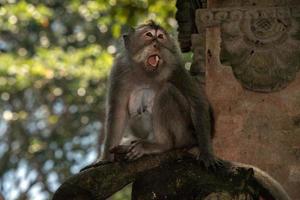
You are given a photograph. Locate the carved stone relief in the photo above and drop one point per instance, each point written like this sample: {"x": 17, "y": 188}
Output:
{"x": 262, "y": 44}
{"x": 236, "y": 3}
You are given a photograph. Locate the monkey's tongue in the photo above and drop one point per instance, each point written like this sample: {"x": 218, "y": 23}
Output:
{"x": 153, "y": 61}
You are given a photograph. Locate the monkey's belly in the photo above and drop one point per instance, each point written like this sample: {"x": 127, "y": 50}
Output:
{"x": 140, "y": 112}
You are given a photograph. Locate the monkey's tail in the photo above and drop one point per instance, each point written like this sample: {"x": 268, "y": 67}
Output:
{"x": 270, "y": 184}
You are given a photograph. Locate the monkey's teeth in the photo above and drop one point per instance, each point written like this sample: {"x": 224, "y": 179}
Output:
{"x": 153, "y": 61}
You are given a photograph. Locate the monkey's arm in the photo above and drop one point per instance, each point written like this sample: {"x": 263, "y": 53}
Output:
{"x": 115, "y": 125}
{"x": 201, "y": 119}
{"x": 116, "y": 118}
{"x": 116, "y": 113}
{"x": 200, "y": 113}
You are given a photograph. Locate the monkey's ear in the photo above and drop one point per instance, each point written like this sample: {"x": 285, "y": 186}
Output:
{"x": 126, "y": 40}
{"x": 126, "y": 36}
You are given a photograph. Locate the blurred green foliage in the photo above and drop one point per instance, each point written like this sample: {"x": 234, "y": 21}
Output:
{"x": 54, "y": 60}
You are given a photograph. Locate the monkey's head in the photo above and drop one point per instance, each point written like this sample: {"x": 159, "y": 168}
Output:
{"x": 151, "y": 47}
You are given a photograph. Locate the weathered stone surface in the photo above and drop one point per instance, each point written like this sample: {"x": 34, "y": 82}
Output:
{"x": 236, "y": 3}
{"x": 262, "y": 129}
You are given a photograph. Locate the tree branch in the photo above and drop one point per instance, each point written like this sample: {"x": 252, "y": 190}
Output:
{"x": 171, "y": 175}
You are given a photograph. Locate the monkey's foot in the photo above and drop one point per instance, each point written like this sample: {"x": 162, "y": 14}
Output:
{"x": 96, "y": 164}
{"x": 207, "y": 159}
{"x": 210, "y": 161}
{"x": 136, "y": 150}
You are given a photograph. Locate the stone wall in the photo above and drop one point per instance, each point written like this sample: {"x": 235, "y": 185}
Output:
{"x": 262, "y": 129}
{"x": 248, "y": 54}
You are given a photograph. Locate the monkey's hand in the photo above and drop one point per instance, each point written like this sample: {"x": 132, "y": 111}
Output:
{"x": 136, "y": 150}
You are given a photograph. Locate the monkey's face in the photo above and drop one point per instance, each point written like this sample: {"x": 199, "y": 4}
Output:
{"x": 152, "y": 48}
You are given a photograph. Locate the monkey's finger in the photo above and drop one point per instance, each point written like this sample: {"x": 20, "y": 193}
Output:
{"x": 217, "y": 164}
{"x": 132, "y": 155}
{"x": 220, "y": 163}
{"x": 137, "y": 156}
{"x": 133, "y": 145}
{"x": 129, "y": 154}
{"x": 204, "y": 160}
{"x": 134, "y": 141}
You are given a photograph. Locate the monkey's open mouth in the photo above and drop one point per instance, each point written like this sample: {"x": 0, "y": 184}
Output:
{"x": 152, "y": 62}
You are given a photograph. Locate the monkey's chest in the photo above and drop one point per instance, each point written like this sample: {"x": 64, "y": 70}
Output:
{"x": 141, "y": 101}
{"x": 140, "y": 112}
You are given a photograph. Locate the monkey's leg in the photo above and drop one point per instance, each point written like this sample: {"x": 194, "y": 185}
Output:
{"x": 159, "y": 144}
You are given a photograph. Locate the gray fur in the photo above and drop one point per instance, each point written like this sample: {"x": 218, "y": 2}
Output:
{"x": 158, "y": 110}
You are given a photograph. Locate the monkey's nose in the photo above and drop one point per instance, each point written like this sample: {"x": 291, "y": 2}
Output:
{"x": 155, "y": 45}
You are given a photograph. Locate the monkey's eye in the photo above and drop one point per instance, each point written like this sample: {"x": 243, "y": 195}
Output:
{"x": 161, "y": 36}
{"x": 149, "y": 35}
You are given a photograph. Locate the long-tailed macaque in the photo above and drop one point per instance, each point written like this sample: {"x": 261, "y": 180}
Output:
{"x": 155, "y": 105}
{"x": 153, "y": 102}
